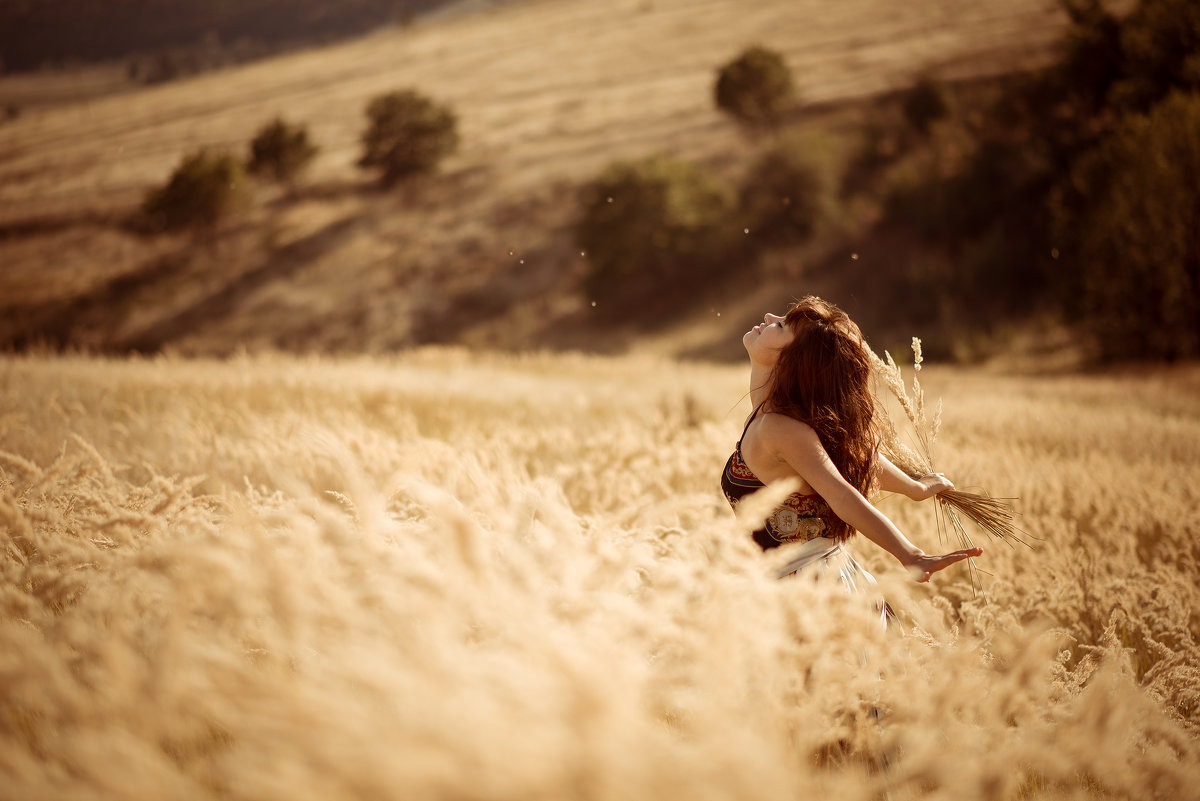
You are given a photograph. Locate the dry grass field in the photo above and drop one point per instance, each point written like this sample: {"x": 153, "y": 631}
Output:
{"x": 547, "y": 92}
{"x": 447, "y": 575}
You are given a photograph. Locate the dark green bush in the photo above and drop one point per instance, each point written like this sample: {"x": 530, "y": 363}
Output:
{"x": 1072, "y": 185}
{"x": 755, "y": 88}
{"x": 650, "y": 227}
{"x": 1094, "y": 56}
{"x": 280, "y": 151}
{"x": 1160, "y": 45}
{"x": 1127, "y": 228}
{"x": 925, "y": 104}
{"x": 407, "y": 134}
{"x": 205, "y": 187}
{"x": 879, "y": 144}
{"x": 782, "y": 195}
{"x": 992, "y": 182}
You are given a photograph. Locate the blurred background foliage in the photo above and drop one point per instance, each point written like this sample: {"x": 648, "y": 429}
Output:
{"x": 407, "y": 134}
{"x": 206, "y": 186}
{"x": 1072, "y": 191}
{"x": 756, "y": 88}
{"x": 280, "y": 151}
{"x": 652, "y": 230}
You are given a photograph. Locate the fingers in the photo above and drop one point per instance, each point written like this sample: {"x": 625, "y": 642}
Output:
{"x": 935, "y": 484}
{"x": 929, "y": 565}
{"x": 958, "y": 556}
{"x": 944, "y": 561}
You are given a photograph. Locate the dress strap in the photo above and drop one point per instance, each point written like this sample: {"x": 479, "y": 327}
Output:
{"x": 750, "y": 420}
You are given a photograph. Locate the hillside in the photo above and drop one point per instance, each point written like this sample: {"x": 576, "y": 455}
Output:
{"x": 547, "y": 92}
{"x": 450, "y": 575}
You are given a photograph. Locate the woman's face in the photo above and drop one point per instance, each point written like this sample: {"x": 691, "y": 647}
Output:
{"x": 764, "y": 341}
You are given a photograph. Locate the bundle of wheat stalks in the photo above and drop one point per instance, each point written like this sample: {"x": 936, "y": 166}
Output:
{"x": 994, "y": 516}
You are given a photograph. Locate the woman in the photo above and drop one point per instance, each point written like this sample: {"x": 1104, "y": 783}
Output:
{"x": 814, "y": 422}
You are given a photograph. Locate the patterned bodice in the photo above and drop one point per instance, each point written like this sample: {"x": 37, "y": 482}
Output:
{"x": 799, "y": 518}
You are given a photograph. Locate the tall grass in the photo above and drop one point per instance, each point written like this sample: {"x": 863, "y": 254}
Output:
{"x": 447, "y": 576}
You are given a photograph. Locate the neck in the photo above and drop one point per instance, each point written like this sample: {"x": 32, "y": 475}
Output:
{"x": 759, "y": 375}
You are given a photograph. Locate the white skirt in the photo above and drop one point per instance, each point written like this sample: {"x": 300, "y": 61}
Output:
{"x": 830, "y": 558}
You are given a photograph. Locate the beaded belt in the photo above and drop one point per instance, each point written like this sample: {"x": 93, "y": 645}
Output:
{"x": 786, "y": 524}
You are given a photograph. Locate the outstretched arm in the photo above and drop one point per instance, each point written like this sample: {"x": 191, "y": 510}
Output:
{"x": 798, "y": 445}
{"x": 893, "y": 479}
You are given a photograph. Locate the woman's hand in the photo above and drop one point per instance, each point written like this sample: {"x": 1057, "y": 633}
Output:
{"x": 893, "y": 479}
{"x": 923, "y": 565}
{"x": 929, "y": 485}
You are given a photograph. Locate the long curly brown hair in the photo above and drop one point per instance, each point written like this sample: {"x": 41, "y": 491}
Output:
{"x": 822, "y": 378}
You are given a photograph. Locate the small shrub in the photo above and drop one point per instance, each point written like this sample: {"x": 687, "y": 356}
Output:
{"x": 205, "y": 187}
{"x": 782, "y": 195}
{"x": 407, "y": 134}
{"x": 755, "y": 88}
{"x": 649, "y": 226}
{"x": 280, "y": 151}
{"x": 925, "y": 104}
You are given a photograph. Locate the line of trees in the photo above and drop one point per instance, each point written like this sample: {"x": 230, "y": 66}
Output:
{"x": 407, "y": 134}
{"x": 1079, "y": 185}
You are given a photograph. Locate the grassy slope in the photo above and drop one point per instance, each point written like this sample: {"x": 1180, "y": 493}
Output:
{"x": 547, "y": 92}
{"x": 455, "y": 576}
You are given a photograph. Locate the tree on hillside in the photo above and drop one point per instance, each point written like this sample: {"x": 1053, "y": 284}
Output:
{"x": 652, "y": 227}
{"x": 407, "y": 134}
{"x": 1127, "y": 223}
{"x": 755, "y": 88}
{"x": 280, "y": 151}
{"x": 205, "y": 187}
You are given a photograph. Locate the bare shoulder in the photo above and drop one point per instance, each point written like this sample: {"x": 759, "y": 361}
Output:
{"x": 797, "y": 444}
{"x": 789, "y": 432}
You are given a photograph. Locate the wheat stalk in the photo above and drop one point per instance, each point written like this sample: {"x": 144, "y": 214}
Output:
{"x": 995, "y": 516}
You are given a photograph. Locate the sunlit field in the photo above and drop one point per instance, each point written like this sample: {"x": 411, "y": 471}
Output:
{"x": 448, "y": 575}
